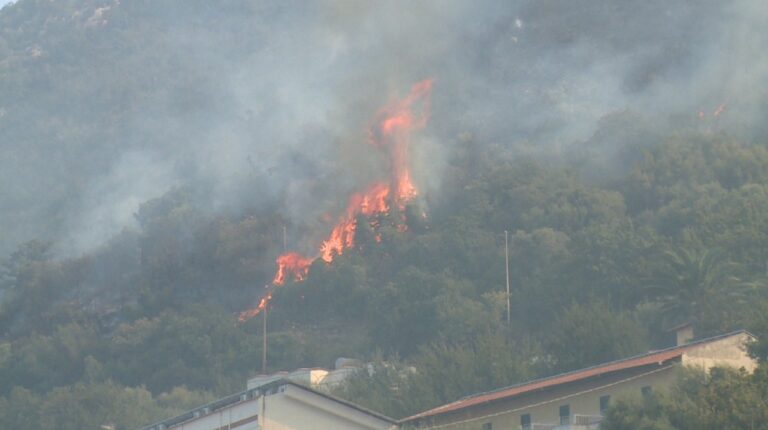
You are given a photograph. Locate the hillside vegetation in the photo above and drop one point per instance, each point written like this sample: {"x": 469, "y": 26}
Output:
{"x": 602, "y": 261}
{"x": 595, "y": 276}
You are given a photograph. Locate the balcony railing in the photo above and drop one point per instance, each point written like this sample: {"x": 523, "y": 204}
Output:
{"x": 578, "y": 422}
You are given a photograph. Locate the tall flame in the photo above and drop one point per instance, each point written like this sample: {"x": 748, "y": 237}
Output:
{"x": 394, "y": 124}
{"x": 391, "y": 131}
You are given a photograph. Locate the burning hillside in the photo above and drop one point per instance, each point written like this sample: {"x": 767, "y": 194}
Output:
{"x": 391, "y": 132}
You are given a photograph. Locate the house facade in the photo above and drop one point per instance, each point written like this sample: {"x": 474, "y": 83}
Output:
{"x": 277, "y": 405}
{"x": 576, "y": 400}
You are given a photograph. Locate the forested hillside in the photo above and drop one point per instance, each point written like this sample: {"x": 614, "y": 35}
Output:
{"x": 157, "y": 157}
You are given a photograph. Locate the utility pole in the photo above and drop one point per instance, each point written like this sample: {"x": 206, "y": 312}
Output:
{"x": 506, "y": 259}
{"x": 285, "y": 239}
{"x": 264, "y": 346}
{"x": 264, "y": 369}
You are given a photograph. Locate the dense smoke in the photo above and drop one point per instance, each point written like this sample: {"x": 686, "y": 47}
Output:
{"x": 270, "y": 101}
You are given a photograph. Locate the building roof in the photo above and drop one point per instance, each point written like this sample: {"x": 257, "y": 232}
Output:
{"x": 268, "y": 388}
{"x": 654, "y": 357}
{"x": 343, "y": 402}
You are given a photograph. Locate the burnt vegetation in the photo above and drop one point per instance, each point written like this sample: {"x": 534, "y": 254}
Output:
{"x": 648, "y": 223}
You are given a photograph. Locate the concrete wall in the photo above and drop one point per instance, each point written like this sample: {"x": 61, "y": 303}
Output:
{"x": 726, "y": 352}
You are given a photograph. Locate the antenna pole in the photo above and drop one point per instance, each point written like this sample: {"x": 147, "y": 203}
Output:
{"x": 264, "y": 346}
{"x": 506, "y": 259}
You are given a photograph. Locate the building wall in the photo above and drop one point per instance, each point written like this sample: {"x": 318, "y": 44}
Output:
{"x": 291, "y": 408}
{"x": 295, "y": 408}
{"x": 583, "y": 397}
{"x": 727, "y": 352}
{"x": 246, "y": 412}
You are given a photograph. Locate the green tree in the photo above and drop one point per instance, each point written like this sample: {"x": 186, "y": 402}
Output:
{"x": 724, "y": 399}
{"x": 172, "y": 350}
{"x": 89, "y": 406}
{"x": 442, "y": 372}
{"x": 590, "y": 334}
{"x": 41, "y": 362}
{"x": 638, "y": 414}
{"x": 699, "y": 287}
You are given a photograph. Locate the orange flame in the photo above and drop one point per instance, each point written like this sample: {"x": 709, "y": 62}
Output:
{"x": 250, "y": 313}
{"x": 391, "y": 130}
{"x": 372, "y": 202}
{"x": 291, "y": 263}
{"x": 395, "y": 123}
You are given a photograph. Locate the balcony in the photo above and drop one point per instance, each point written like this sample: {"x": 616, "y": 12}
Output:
{"x": 578, "y": 422}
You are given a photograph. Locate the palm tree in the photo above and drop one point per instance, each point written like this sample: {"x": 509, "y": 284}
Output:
{"x": 697, "y": 287}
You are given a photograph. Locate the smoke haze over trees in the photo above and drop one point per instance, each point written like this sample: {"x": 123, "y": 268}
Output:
{"x": 263, "y": 105}
{"x": 154, "y": 152}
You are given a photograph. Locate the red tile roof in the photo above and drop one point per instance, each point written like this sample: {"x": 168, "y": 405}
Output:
{"x": 655, "y": 357}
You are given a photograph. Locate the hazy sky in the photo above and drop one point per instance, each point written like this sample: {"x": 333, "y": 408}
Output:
{"x": 5, "y": 2}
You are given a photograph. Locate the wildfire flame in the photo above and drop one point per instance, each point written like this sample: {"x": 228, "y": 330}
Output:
{"x": 374, "y": 201}
{"x": 391, "y": 131}
{"x": 291, "y": 263}
{"x": 250, "y": 313}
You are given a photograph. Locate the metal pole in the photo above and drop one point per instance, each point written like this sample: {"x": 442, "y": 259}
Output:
{"x": 263, "y": 410}
{"x": 506, "y": 259}
{"x": 264, "y": 346}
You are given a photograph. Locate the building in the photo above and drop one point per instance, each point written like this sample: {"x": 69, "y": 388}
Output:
{"x": 576, "y": 400}
{"x": 277, "y": 405}
{"x": 316, "y": 377}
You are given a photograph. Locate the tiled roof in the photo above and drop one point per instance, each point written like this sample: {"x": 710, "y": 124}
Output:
{"x": 654, "y": 357}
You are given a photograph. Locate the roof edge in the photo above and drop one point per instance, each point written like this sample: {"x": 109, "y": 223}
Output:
{"x": 260, "y": 390}
{"x": 434, "y": 411}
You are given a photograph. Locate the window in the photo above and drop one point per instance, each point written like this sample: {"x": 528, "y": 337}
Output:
{"x": 604, "y": 402}
{"x": 646, "y": 391}
{"x": 488, "y": 426}
{"x": 525, "y": 422}
{"x": 565, "y": 414}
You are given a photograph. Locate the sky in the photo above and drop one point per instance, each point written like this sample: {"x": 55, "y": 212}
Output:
{"x": 5, "y": 2}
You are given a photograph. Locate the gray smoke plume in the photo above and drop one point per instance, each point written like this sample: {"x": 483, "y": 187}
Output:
{"x": 267, "y": 103}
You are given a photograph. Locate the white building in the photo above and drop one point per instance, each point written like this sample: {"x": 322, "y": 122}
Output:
{"x": 277, "y": 405}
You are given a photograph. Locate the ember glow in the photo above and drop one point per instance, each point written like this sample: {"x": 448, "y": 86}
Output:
{"x": 720, "y": 109}
{"x": 390, "y": 132}
{"x": 715, "y": 113}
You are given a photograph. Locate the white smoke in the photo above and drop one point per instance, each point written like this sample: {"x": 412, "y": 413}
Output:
{"x": 274, "y": 109}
